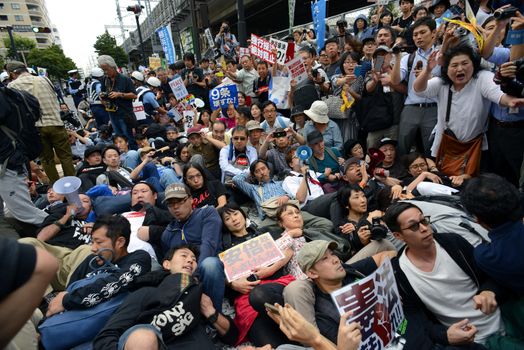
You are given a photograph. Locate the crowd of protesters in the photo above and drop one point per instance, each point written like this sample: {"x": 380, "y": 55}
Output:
{"x": 387, "y": 103}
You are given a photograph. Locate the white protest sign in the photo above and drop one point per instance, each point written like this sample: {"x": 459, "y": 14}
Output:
{"x": 243, "y": 51}
{"x": 262, "y": 48}
{"x": 209, "y": 38}
{"x": 281, "y": 50}
{"x": 278, "y": 91}
{"x": 178, "y": 88}
{"x": 297, "y": 68}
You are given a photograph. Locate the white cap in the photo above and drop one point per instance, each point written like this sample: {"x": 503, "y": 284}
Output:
{"x": 3, "y": 76}
{"x": 97, "y": 72}
{"x": 72, "y": 71}
{"x": 137, "y": 76}
{"x": 154, "y": 82}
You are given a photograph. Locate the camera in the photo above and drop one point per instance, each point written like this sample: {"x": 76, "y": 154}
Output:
{"x": 506, "y": 13}
{"x": 279, "y": 134}
{"x": 378, "y": 231}
{"x": 226, "y": 28}
{"x": 69, "y": 117}
{"x": 103, "y": 95}
{"x": 460, "y": 32}
{"x": 513, "y": 87}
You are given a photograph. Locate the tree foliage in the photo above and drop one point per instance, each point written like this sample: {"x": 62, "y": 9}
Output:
{"x": 106, "y": 45}
{"x": 53, "y": 59}
{"x": 21, "y": 43}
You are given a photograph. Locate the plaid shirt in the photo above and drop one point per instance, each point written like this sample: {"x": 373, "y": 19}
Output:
{"x": 43, "y": 90}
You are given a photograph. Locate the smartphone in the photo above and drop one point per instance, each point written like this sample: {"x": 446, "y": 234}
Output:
{"x": 271, "y": 308}
{"x": 378, "y": 62}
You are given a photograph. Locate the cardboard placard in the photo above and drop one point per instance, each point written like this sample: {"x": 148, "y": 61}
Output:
{"x": 281, "y": 50}
{"x": 222, "y": 96}
{"x": 375, "y": 303}
{"x": 297, "y": 69}
{"x": 262, "y": 49}
{"x": 178, "y": 88}
{"x": 240, "y": 260}
{"x": 243, "y": 51}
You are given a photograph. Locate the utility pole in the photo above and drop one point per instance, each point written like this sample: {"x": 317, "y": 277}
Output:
{"x": 13, "y": 45}
{"x": 194, "y": 30}
{"x": 242, "y": 32}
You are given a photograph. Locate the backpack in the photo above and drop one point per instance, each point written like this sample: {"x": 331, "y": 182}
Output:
{"x": 26, "y": 112}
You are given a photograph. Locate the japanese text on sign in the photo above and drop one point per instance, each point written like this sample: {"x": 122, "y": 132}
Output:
{"x": 243, "y": 51}
{"x": 222, "y": 96}
{"x": 281, "y": 50}
{"x": 178, "y": 88}
{"x": 240, "y": 260}
{"x": 375, "y": 303}
{"x": 297, "y": 68}
{"x": 262, "y": 49}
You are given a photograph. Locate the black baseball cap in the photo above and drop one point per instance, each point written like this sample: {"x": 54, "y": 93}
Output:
{"x": 90, "y": 150}
{"x": 314, "y": 137}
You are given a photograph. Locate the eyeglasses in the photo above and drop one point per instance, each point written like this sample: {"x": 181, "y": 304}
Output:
{"x": 239, "y": 138}
{"x": 193, "y": 177}
{"x": 419, "y": 166}
{"x": 416, "y": 226}
{"x": 176, "y": 202}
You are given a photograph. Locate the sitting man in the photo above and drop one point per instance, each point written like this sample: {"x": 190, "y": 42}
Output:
{"x": 128, "y": 158}
{"x": 301, "y": 182}
{"x": 168, "y": 312}
{"x": 110, "y": 239}
{"x": 496, "y": 205}
{"x": 146, "y": 220}
{"x": 276, "y": 156}
{"x": 65, "y": 234}
{"x": 236, "y": 157}
{"x": 391, "y": 163}
{"x": 317, "y": 260}
{"x": 91, "y": 167}
{"x": 201, "y": 227}
{"x": 115, "y": 175}
{"x": 324, "y": 160}
{"x": 201, "y": 145}
{"x": 442, "y": 290}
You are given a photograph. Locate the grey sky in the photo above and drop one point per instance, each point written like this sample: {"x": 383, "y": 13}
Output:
{"x": 81, "y": 21}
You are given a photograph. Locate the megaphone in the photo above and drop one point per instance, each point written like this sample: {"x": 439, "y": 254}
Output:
{"x": 199, "y": 103}
{"x": 376, "y": 157}
{"x": 304, "y": 153}
{"x": 68, "y": 187}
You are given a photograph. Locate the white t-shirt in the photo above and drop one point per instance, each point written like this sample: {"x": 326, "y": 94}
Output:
{"x": 469, "y": 107}
{"x": 292, "y": 182}
{"x": 136, "y": 219}
{"x": 448, "y": 293}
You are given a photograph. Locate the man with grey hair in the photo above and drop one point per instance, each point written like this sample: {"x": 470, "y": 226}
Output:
{"x": 52, "y": 132}
{"x": 117, "y": 95}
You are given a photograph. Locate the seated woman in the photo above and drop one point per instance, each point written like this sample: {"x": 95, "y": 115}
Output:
{"x": 358, "y": 224}
{"x": 422, "y": 169}
{"x": 204, "y": 191}
{"x": 182, "y": 158}
{"x": 265, "y": 285}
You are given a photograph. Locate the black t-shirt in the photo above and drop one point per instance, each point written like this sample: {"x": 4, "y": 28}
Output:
{"x": 208, "y": 195}
{"x": 120, "y": 84}
{"x": 403, "y": 23}
{"x": 72, "y": 235}
{"x": 195, "y": 74}
{"x": 397, "y": 170}
{"x": 18, "y": 263}
{"x": 263, "y": 86}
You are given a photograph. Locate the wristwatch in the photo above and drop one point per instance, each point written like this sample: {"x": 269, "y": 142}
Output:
{"x": 213, "y": 318}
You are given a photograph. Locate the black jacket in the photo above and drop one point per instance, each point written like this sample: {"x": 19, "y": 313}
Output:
{"x": 171, "y": 303}
{"x": 423, "y": 328}
{"x": 157, "y": 220}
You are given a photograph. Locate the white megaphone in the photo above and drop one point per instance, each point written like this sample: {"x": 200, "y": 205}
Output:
{"x": 68, "y": 187}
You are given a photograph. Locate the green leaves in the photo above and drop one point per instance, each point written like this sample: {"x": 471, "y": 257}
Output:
{"x": 53, "y": 59}
{"x": 106, "y": 45}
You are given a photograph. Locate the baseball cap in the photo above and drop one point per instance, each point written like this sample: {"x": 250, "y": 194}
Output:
{"x": 314, "y": 137}
{"x": 352, "y": 160}
{"x": 387, "y": 141}
{"x": 381, "y": 48}
{"x": 90, "y": 150}
{"x": 253, "y": 125}
{"x": 312, "y": 252}
{"x": 12, "y": 66}
{"x": 176, "y": 191}
{"x": 194, "y": 130}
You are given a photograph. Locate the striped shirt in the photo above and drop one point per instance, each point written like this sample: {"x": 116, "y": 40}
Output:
{"x": 42, "y": 89}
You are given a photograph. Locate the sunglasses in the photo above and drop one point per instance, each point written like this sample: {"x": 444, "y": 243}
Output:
{"x": 416, "y": 226}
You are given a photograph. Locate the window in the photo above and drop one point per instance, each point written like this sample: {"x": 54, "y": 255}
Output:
{"x": 3, "y": 18}
{"x": 15, "y": 6}
{"x": 19, "y": 18}
{"x": 41, "y": 41}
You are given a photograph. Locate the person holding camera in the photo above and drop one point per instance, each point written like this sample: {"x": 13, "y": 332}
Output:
{"x": 226, "y": 41}
{"x": 194, "y": 78}
{"x": 364, "y": 229}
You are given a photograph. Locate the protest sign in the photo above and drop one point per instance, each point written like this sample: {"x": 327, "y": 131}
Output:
{"x": 243, "y": 51}
{"x": 262, "y": 49}
{"x": 155, "y": 62}
{"x": 222, "y": 96}
{"x": 290, "y": 53}
{"x": 375, "y": 303}
{"x": 240, "y": 260}
{"x": 297, "y": 68}
{"x": 178, "y": 88}
{"x": 281, "y": 50}
{"x": 278, "y": 91}
{"x": 166, "y": 40}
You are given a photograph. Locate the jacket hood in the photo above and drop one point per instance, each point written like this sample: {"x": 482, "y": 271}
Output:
{"x": 355, "y": 30}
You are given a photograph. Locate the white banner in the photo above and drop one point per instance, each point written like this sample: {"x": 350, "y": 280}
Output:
{"x": 281, "y": 50}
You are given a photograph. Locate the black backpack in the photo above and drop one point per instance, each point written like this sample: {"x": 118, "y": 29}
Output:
{"x": 26, "y": 112}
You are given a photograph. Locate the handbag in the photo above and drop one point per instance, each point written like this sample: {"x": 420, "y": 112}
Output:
{"x": 455, "y": 157}
{"x": 270, "y": 206}
{"x": 71, "y": 328}
{"x": 334, "y": 104}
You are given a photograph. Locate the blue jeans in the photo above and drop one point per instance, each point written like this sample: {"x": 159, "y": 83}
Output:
{"x": 168, "y": 177}
{"x": 131, "y": 159}
{"x": 100, "y": 114}
{"x": 211, "y": 271}
{"x": 120, "y": 128}
{"x": 123, "y": 338}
